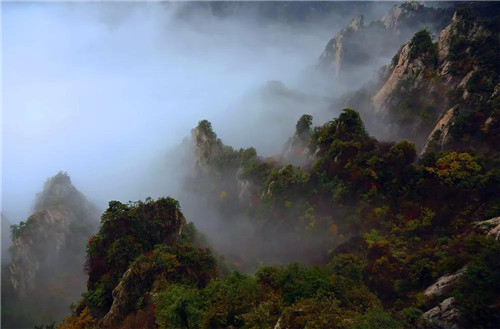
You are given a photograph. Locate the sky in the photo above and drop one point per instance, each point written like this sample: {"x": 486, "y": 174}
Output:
{"x": 105, "y": 91}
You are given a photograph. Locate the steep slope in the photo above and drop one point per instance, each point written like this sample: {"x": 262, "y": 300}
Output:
{"x": 140, "y": 248}
{"x": 442, "y": 93}
{"x": 396, "y": 243}
{"x": 47, "y": 254}
{"x": 360, "y": 44}
{"x": 6, "y": 241}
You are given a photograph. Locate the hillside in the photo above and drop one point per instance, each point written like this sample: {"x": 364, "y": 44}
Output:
{"x": 441, "y": 94}
{"x": 361, "y": 43}
{"x": 395, "y": 226}
{"x": 386, "y": 215}
{"x": 45, "y": 273}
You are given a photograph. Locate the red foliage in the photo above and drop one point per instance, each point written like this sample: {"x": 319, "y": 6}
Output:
{"x": 298, "y": 151}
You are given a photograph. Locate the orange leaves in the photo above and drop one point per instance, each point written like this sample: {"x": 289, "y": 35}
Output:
{"x": 82, "y": 321}
{"x": 334, "y": 229}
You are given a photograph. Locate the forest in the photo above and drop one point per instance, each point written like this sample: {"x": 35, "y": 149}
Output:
{"x": 381, "y": 208}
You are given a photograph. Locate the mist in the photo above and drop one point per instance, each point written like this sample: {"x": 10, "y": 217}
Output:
{"x": 104, "y": 91}
{"x": 109, "y": 94}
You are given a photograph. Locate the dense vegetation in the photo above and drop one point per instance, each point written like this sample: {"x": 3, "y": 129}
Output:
{"x": 401, "y": 224}
{"x": 373, "y": 224}
{"x": 47, "y": 254}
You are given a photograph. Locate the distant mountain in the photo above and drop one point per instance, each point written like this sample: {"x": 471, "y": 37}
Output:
{"x": 391, "y": 234}
{"x": 441, "y": 94}
{"x": 360, "y": 44}
{"x": 47, "y": 254}
{"x": 290, "y": 12}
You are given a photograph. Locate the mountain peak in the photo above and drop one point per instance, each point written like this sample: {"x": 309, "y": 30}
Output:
{"x": 57, "y": 190}
{"x": 357, "y": 23}
{"x": 399, "y": 13}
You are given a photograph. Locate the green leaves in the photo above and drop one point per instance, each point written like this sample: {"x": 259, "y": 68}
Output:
{"x": 457, "y": 169}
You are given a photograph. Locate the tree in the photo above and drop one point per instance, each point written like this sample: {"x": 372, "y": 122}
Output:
{"x": 456, "y": 169}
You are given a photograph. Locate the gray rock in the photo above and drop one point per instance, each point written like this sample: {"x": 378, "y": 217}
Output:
{"x": 445, "y": 283}
{"x": 443, "y": 316}
{"x": 490, "y": 227}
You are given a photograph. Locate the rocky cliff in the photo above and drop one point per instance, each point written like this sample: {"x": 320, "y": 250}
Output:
{"x": 434, "y": 90}
{"x": 54, "y": 236}
{"x": 47, "y": 254}
{"x": 361, "y": 44}
{"x": 140, "y": 247}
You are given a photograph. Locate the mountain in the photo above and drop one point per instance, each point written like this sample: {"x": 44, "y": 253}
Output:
{"x": 5, "y": 239}
{"x": 441, "y": 94}
{"x": 47, "y": 254}
{"x": 393, "y": 242}
{"x": 272, "y": 12}
{"x": 140, "y": 249}
{"x": 360, "y": 44}
{"x": 384, "y": 216}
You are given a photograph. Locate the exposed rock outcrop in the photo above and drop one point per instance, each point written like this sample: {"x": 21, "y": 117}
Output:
{"x": 362, "y": 44}
{"x": 296, "y": 150}
{"x": 206, "y": 146}
{"x": 490, "y": 227}
{"x": 443, "y": 316}
{"x": 134, "y": 284}
{"x": 431, "y": 87}
{"x": 399, "y": 15}
{"x": 246, "y": 189}
{"x": 470, "y": 34}
{"x": 332, "y": 56}
{"x": 445, "y": 283}
{"x": 440, "y": 136}
{"x": 405, "y": 68}
{"x": 53, "y": 238}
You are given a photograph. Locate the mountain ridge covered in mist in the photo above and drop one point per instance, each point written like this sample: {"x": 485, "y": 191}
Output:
{"x": 46, "y": 254}
{"x": 384, "y": 215}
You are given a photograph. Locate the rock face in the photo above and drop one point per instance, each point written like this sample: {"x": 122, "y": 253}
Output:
{"x": 332, "y": 56}
{"x": 360, "y": 44}
{"x": 151, "y": 247}
{"x": 296, "y": 150}
{"x": 489, "y": 227}
{"x": 464, "y": 49}
{"x": 53, "y": 238}
{"x": 217, "y": 171}
{"x": 46, "y": 227}
{"x": 405, "y": 68}
{"x": 399, "y": 15}
{"x": 246, "y": 189}
{"x": 6, "y": 240}
{"x": 445, "y": 283}
{"x": 206, "y": 146}
{"x": 134, "y": 283}
{"x": 435, "y": 88}
{"x": 443, "y": 316}
{"x": 468, "y": 32}
{"x": 440, "y": 135}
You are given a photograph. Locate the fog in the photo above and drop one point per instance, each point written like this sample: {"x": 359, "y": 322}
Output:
{"x": 110, "y": 92}
{"x": 103, "y": 91}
